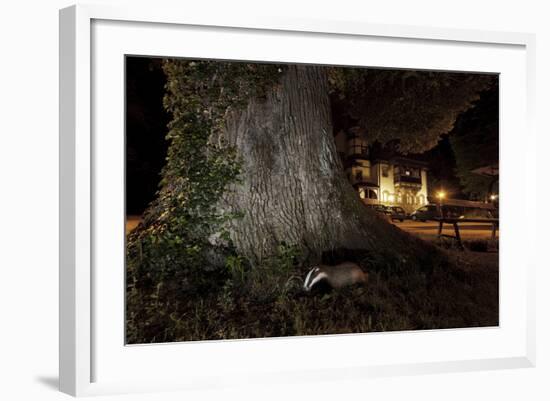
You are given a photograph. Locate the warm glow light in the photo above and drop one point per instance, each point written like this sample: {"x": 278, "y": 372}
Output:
{"x": 440, "y": 195}
{"x": 493, "y": 197}
{"x": 391, "y": 198}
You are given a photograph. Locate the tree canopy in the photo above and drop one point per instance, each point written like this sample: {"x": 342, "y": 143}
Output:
{"x": 411, "y": 107}
{"x": 476, "y": 133}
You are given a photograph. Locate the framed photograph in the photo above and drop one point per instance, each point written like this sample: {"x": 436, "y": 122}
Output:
{"x": 267, "y": 201}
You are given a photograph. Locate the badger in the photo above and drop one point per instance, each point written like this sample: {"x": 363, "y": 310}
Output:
{"x": 338, "y": 276}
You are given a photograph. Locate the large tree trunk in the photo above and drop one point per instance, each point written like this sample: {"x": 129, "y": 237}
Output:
{"x": 293, "y": 186}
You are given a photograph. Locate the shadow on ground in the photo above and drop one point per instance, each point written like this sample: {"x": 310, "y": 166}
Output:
{"x": 52, "y": 382}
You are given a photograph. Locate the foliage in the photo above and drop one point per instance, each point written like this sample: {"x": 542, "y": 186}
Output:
{"x": 462, "y": 292}
{"x": 413, "y": 107}
{"x": 278, "y": 275}
{"x": 442, "y": 170}
{"x": 476, "y": 133}
{"x": 275, "y": 277}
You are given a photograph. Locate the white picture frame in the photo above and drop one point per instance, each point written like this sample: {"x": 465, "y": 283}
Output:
{"x": 91, "y": 356}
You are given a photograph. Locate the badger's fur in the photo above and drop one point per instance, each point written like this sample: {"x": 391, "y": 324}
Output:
{"x": 338, "y": 276}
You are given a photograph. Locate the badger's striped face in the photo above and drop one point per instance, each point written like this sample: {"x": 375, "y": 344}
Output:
{"x": 314, "y": 276}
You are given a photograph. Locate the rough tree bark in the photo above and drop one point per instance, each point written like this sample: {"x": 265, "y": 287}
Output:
{"x": 293, "y": 186}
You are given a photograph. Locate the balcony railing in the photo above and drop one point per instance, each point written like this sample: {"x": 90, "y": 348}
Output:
{"x": 367, "y": 180}
{"x": 407, "y": 180}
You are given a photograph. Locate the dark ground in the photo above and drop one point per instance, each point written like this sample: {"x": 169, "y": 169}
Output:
{"x": 462, "y": 292}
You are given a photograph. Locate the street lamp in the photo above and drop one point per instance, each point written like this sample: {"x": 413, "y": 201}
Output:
{"x": 493, "y": 197}
{"x": 440, "y": 196}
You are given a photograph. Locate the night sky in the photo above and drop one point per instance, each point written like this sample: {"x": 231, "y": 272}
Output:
{"x": 146, "y": 127}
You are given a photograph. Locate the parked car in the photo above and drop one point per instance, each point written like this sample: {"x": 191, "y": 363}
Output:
{"x": 397, "y": 213}
{"x": 381, "y": 209}
{"x": 428, "y": 212}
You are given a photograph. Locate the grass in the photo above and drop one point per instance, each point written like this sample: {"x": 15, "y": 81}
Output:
{"x": 459, "y": 292}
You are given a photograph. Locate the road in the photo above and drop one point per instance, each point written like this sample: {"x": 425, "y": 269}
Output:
{"x": 429, "y": 229}
{"x": 132, "y": 222}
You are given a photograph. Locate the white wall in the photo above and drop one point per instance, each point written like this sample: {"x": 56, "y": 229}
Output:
{"x": 424, "y": 190}
{"x": 386, "y": 183}
{"x": 28, "y": 201}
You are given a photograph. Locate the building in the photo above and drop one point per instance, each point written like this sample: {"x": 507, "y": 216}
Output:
{"x": 395, "y": 181}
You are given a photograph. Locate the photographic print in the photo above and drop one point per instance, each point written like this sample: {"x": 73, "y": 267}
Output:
{"x": 270, "y": 200}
